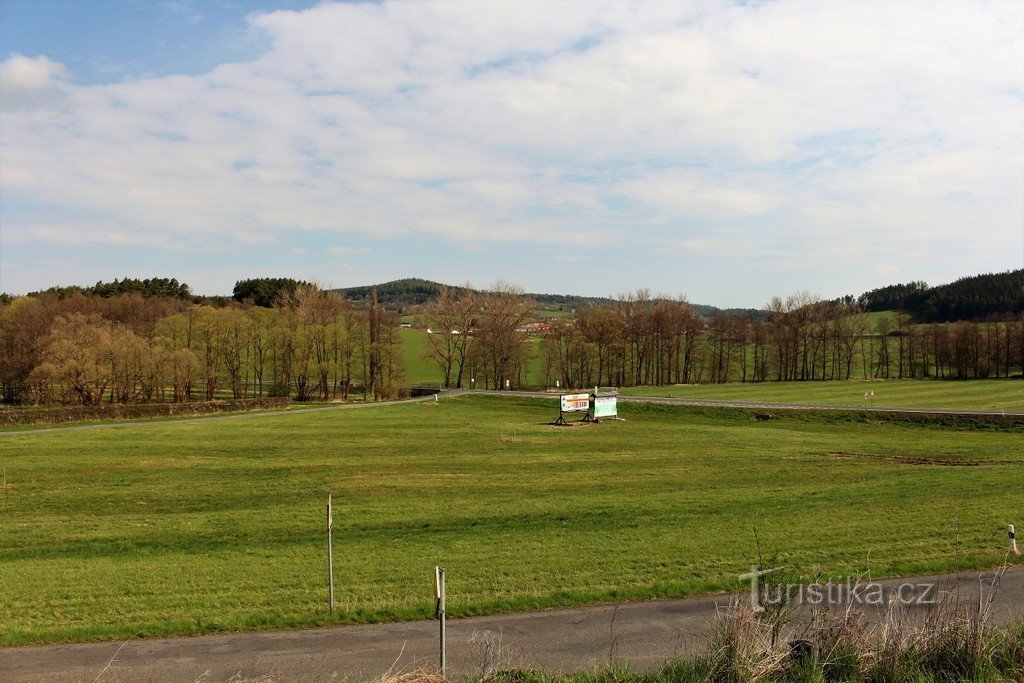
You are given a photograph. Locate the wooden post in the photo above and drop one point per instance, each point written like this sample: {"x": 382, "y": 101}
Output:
{"x": 330, "y": 554}
{"x": 439, "y": 595}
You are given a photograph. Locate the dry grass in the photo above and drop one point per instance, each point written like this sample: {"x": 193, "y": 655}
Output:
{"x": 418, "y": 676}
{"x": 955, "y": 641}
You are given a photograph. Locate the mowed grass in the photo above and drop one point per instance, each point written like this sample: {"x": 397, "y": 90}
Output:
{"x": 981, "y": 394}
{"x": 189, "y": 528}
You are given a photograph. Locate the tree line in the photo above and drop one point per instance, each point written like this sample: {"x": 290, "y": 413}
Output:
{"x": 87, "y": 349}
{"x": 90, "y": 347}
{"x": 969, "y": 298}
{"x": 643, "y": 340}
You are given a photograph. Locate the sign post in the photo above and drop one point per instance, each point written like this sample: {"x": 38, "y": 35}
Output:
{"x": 439, "y": 611}
{"x": 330, "y": 553}
{"x": 605, "y": 406}
{"x": 572, "y": 403}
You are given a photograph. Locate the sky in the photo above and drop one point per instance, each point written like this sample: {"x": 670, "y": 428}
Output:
{"x": 726, "y": 152}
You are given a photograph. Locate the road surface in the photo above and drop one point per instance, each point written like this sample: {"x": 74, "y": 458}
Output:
{"x": 639, "y": 634}
{"x": 764, "y": 405}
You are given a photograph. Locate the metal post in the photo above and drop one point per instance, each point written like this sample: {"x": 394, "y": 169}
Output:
{"x": 439, "y": 594}
{"x": 330, "y": 553}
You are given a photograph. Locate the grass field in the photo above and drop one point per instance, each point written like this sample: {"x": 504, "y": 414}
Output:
{"x": 982, "y": 394}
{"x": 191, "y": 528}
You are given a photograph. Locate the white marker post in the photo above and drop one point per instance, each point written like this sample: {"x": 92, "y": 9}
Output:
{"x": 439, "y": 610}
{"x": 1013, "y": 541}
{"x": 330, "y": 553}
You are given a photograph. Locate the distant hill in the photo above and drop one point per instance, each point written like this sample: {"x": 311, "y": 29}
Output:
{"x": 400, "y": 294}
{"x": 412, "y": 291}
{"x": 967, "y": 298}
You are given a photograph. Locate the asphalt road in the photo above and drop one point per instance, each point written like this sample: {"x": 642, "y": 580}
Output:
{"x": 765, "y": 405}
{"x": 640, "y": 634}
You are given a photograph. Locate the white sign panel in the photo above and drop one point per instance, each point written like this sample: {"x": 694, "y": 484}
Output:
{"x": 605, "y": 406}
{"x": 575, "y": 403}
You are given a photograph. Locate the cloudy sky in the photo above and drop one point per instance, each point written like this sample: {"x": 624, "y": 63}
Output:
{"x": 725, "y": 151}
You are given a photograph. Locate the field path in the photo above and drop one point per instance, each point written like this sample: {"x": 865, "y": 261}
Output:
{"x": 641, "y": 634}
{"x": 765, "y": 405}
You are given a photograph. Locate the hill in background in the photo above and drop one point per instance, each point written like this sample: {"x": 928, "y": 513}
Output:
{"x": 976, "y": 296}
{"x": 401, "y": 294}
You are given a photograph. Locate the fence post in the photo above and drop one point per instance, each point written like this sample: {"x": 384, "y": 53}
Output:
{"x": 330, "y": 553}
{"x": 440, "y": 612}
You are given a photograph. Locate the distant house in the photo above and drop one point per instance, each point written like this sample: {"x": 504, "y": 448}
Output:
{"x": 535, "y": 328}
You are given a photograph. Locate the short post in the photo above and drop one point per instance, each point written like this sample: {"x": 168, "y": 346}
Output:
{"x": 330, "y": 554}
{"x": 1013, "y": 541}
{"x": 439, "y": 611}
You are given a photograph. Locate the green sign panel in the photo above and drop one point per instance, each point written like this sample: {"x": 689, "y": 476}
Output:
{"x": 605, "y": 406}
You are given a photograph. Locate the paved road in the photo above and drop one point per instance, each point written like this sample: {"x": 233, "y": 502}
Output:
{"x": 765, "y": 405}
{"x": 640, "y": 634}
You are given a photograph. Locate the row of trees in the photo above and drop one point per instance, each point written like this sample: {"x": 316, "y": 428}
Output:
{"x": 314, "y": 344}
{"x": 477, "y": 338}
{"x": 80, "y": 349}
{"x": 644, "y": 340}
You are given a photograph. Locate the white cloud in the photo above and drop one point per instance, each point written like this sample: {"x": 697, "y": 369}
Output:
{"x": 710, "y": 127}
{"x": 30, "y": 82}
{"x": 350, "y": 251}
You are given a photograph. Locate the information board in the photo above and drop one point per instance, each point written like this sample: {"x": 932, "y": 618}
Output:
{"x": 575, "y": 403}
{"x": 605, "y": 406}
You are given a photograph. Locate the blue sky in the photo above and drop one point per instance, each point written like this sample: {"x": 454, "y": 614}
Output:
{"x": 726, "y": 152}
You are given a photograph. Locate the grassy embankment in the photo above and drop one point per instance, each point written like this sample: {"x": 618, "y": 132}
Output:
{"x": 190, "y": 528}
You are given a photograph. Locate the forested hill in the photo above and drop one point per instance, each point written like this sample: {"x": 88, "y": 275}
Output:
{"x": 968, "y": 298}
{"x": 399, "y": 294}
{"x": 150, "y": 287}
{"x": 410, "y": 291}
{"x": 416, "y": 291}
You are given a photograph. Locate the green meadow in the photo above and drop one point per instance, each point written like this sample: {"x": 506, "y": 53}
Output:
{"x": 979, "y": 394}
{"x": 185, "y": 528}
